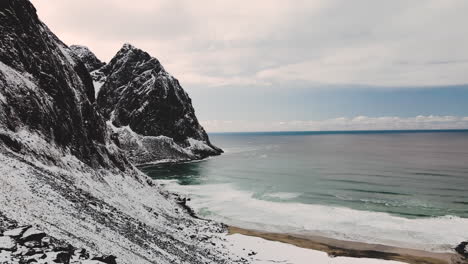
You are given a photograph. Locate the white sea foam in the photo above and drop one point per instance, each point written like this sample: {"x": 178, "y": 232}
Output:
{"x": 225, "y": 203}
{"x": 283, "y": 195}
{"x": 235, "y": 150}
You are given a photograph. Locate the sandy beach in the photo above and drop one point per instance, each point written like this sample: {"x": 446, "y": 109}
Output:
{"x": 341, "y": 248}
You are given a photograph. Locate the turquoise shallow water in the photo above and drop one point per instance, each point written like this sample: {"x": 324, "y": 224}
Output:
{"x": 349, "y": 183}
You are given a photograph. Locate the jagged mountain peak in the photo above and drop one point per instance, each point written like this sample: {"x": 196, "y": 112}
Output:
{"x": 89, "y": 59}
{"x": 128, "y": 46}
{"x": 139, "y": 93}
{"x": 131, "y": 58}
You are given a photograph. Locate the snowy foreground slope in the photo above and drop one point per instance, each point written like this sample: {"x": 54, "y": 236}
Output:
{"x": 104, "y": 211}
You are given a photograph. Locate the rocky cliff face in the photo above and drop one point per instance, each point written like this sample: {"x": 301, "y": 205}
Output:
{"x": 61, "y": 172}
{"x": 139, "y": 93}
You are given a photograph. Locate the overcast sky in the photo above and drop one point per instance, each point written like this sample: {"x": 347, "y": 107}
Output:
{"x": 259, "y": 63}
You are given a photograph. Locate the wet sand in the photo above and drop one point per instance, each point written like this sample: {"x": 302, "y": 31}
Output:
{"x": 335, "y": 247}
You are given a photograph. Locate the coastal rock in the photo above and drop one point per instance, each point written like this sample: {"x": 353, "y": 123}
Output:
{"x": 146, "y": 149}
{"x": 139, "y": 93}
{"x": 462, "y": 249}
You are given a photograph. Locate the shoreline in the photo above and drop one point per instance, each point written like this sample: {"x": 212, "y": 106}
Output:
{"x": 330, "y": 246}
{"x": 342, "y": 248}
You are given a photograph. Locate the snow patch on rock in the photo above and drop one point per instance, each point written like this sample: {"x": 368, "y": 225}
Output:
{"x": 97, "y": 87}
{"x": 198, "y": 145}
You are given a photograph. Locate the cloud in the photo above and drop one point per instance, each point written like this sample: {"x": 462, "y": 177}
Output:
{"x": 274, "y": 42}
{"x": 342, "y": 123}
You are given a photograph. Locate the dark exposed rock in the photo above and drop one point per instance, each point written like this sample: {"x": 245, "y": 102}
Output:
{"x": 63, "y": 257}
{"x": 183, "y": 203}
{"x": 46, "y": 88}
{"x": 462, "y": 249}
{"x": 106, "y": 259}
{"x": 32, "y": 235}
{"x": 82, "y": 253}
{"x": 90, "y": 60}
{"x": 138, "y": 89}
{"x": 10, "y": 142}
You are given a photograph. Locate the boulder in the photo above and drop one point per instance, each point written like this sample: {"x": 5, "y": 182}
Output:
{"x": 462, "y": 249}
{"x": 109, "y": 259}
{"x": 32, "y": 235}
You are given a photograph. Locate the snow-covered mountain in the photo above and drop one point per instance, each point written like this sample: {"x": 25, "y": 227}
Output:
{"x": 138, "y": 94}
{"x": 62, "y": 169}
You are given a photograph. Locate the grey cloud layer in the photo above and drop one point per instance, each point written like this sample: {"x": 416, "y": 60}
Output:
{"x": 343, "y": 123}
{"x": 269, "y": 42}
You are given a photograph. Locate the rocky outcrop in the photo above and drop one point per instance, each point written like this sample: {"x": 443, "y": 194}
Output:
{"x": 88, "y": 58}
{"x": 139, "y": 93}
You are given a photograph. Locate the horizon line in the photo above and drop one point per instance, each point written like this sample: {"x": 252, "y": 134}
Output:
{"x": 347, "y": 131}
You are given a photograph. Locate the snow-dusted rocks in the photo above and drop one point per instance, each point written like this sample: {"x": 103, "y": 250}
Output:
{"x": 87, "y": 57}
{"x": 44, "y": 249}
{"x": 138, "y": 92}
{"x": 146, "y": 149}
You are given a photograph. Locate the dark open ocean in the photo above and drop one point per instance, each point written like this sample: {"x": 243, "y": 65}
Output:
{"x": 392, "y": 187}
